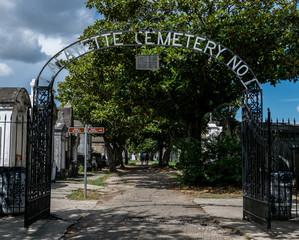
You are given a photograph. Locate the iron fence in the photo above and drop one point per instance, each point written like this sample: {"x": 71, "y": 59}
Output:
{"x": 13, "y": 151}
{"x": 270, "y": 169}
{"x": 25, "y": 159}
{"x": 284, "y": 177}
{"x": 256, "y": 146}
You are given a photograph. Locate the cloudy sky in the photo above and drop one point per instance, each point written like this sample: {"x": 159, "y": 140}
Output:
{"x": 32, "y": 31}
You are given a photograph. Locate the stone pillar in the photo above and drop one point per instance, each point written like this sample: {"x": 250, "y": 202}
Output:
{"x": 60, "y": 145}
{"x": 74, "y": 153}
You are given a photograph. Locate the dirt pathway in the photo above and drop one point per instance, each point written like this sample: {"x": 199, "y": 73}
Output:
{"x": 143, "y": 206}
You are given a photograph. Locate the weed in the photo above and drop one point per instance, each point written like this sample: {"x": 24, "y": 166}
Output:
{"x": 101, "y": 180}
{"x": 79, "y": 194}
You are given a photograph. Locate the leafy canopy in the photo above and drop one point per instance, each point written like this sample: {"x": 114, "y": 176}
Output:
{"x": 105, "y": 88}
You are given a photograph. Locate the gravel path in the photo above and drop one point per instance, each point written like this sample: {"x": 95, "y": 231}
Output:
{"x": 143, "y": 206}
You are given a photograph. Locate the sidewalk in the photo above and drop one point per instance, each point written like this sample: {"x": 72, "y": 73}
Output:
{"x": 65, "y": 212}
{"x": 228, "y": 212}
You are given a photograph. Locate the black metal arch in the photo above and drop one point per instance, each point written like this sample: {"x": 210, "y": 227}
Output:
{"x": 38, "y": 184}
{"x": 91, "y": 44}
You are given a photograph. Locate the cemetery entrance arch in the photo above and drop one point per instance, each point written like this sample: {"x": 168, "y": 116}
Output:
{"x": 255, "y": 145}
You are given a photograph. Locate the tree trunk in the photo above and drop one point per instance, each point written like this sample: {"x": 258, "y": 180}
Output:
{"x": 111, "y": 156}
{"x": 195, "y": 129}
{"x": 167, "y": 153}
{"x": 122, "y": 166}
{"x": 166, "y": 157}
{"x": 119, "y": 156}
{"x": 160, "y": 156}
{"x": 126, "y": 157}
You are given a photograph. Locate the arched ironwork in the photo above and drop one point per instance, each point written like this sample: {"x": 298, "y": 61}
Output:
{"x": 150, "y": 38}
{"x": 143, "y": 31}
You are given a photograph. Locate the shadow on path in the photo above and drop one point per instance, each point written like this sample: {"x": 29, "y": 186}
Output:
{"x": 147, "y": 208}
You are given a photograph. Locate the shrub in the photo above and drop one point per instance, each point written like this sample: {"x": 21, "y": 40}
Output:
{"x": 190, "y": 162}
{"x": 223, "y": 160}
{"x": 215, "y": 161}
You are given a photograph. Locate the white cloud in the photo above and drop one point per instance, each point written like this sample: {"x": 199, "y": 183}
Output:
{"x": 297, "y": 108}
{"x": 5, "y": 70}
{"x": 291, "y": 100}
{"x": 7, "y": 4}
{"x": 50, "y": 45}
{"x": 32, "y": 29}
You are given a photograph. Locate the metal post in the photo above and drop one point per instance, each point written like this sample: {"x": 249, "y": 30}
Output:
{"x": 85, "y": 160}
{"x": 269, "y": 169}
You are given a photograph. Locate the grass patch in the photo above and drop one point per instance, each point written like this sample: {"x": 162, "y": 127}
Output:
{"x": 97, "y": 182}
{"x": 156, "y": 164}
{"x": 101, "y": 180}
{"x": 171, "y": 164}
{"x": 132, "y": 162}
{"x": 220, "y": 192}
{"x": 91, "y": 194}
{"x": 211, "y": 192}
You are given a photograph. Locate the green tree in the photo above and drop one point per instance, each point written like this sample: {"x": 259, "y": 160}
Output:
{"x": 263, "y": 33}
{"x": 98, "y": 98}
{"x": 225, "y": 116}
{"x": 188, "y": 85}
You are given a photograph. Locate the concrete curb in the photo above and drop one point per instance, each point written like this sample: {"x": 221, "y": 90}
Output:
{"x": 64, "y": 213}
{"x": 228, "y": 213}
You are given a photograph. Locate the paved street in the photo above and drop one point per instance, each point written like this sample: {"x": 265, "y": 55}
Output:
{"x": 144, "y": 207}
{"x": 141, "y": 205}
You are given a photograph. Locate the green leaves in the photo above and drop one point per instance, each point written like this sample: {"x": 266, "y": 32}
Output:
{"x": 105, "y": 88}
{"x": 215, "y": 161}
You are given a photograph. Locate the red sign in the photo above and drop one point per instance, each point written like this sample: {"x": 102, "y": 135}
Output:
{"x": 95, "y": 130}
{"x": 76, "y": 130}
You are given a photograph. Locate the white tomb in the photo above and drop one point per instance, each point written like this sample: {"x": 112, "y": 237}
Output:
{"x": 14, "y": 106}
{"x": 14, "y": 110}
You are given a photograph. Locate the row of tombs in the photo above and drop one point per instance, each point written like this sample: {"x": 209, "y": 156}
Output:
{"x": 67, "y": 152}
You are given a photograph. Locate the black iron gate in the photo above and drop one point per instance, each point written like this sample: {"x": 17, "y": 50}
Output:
{"x": 38, "y": 165}
{"x": 285, "y": 139}
{"x": 270, "y": 164}
{"x": 256, "y": 162}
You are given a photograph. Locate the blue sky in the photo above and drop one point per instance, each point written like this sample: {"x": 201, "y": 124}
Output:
{"x": 283, "y": 101}
{"x": 32, "y": 31}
